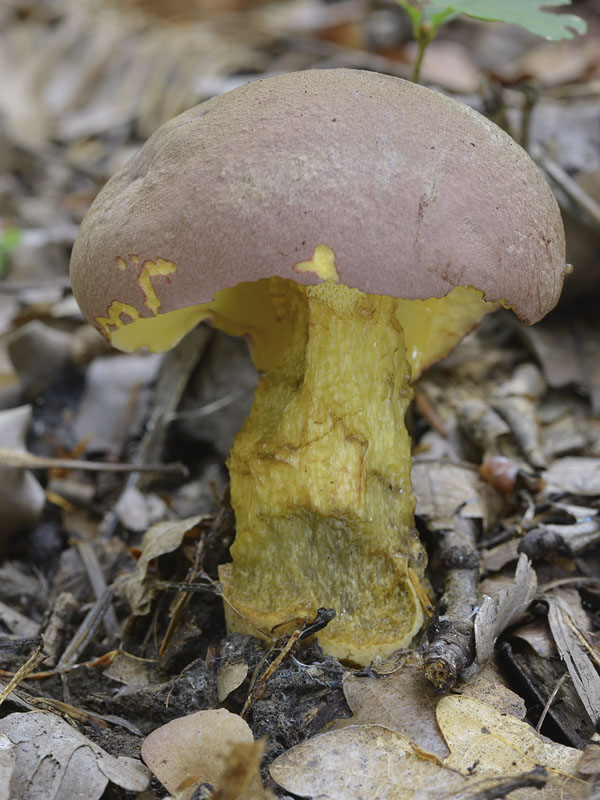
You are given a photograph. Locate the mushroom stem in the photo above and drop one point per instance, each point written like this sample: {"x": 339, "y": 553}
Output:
{"x": 320, "y": 479}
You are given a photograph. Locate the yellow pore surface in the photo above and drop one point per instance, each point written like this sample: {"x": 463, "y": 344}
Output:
{"x": 320, "y": 472}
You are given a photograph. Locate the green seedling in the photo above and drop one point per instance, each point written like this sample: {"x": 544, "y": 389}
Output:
{"x": 427, "y": 18}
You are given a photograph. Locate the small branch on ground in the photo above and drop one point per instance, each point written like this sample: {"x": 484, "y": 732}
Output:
{"x": 451, "y": 646}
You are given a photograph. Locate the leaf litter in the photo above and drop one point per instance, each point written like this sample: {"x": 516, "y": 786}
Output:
{"x": 507, "y": 446}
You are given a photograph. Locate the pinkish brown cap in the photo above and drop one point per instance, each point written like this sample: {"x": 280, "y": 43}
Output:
{"x": 414, "y": 193}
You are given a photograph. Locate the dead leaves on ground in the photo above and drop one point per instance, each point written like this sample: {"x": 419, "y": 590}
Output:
{"x": 403, "y": 742}
{"x": 488, "y": 748}
{"x": 42, "y": 757}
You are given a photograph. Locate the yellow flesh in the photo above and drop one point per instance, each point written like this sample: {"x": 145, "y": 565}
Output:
{"x": 320, "y": 472}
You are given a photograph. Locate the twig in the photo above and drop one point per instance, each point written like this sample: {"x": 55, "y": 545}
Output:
{"x": 550, "y": 700}
{"x": 86, "y": 630}
{"x": 258, "y": 683}
{"x": 206, "y": 410}
{"x": 98, "y": 583}
{"x": 536, "y": 779}
{"x": 18, "y": 644}
{"x": 25, "y": 460}
{"x": 451, "y": 635}
{"x": 32, "y": 662}
{"x": 584, "y": 580}
{"x": 578, "y": 196}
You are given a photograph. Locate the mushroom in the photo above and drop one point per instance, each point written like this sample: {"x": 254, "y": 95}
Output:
{"x": 354, "y": 226}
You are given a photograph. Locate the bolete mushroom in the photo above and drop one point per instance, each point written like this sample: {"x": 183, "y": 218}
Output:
{"x": 355, "y": 226}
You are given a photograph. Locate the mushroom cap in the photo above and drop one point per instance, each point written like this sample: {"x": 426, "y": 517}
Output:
{"x": 413, "y": 192}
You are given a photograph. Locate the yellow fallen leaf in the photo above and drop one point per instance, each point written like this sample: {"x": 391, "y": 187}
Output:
{"x": 402, "y": 699}
{"x": 485, "y": 742}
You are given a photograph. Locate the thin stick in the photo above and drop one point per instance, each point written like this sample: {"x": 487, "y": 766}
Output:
{"x": 25, "y": 460}
{"x": 86, "y": 630}
{"x": 571, "y": 188}
{"x": 32, "y": 662}
{"x": 549, "y": 702}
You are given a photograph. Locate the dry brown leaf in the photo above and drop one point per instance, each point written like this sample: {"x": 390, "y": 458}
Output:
{"x": 576, "y": 475}
{"x": 537, "y": 635}
{"x": 130, "y": 671}
{"x": 165, "y": 537}
{"x": 364, "y": 762}
{"x": 230, "y": 677}
{"x": 499, "y": 610}
{"x": 403, "y": 700}
{"x": 568, "y": 352}
{"x": 54, "y": 761}
{"x": 485, "y": 742}
{"x": 445, "y": 490}
{"x": 552, "y": 63}
{"x": 199, "y": 748}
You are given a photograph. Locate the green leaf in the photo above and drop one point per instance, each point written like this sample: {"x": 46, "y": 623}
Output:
{"x": 526, "y": 13}
{"x": 413, "y": 12}
{"x": 9, "y": 239}
{"x": 437, "y": 15}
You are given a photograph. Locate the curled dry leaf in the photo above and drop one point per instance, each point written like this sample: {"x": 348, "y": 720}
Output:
{"x": 230, "y": 677}
{"x": 53, "y": 761}
{"x": 537, "y": 635}
{"x": 499, "y": 610}
{"x": 129, "y": 671}
{"x": 445, "y": 490}
{"x": 199, "y": 748}
{"x": 165, "y": 537}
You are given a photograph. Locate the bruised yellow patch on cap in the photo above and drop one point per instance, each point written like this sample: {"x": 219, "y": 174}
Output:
{"x": 149, "y": 270}
{"x": 114, "y": 316}
{"x": 322, "y": 264}
{"x": 152, "y": 269}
